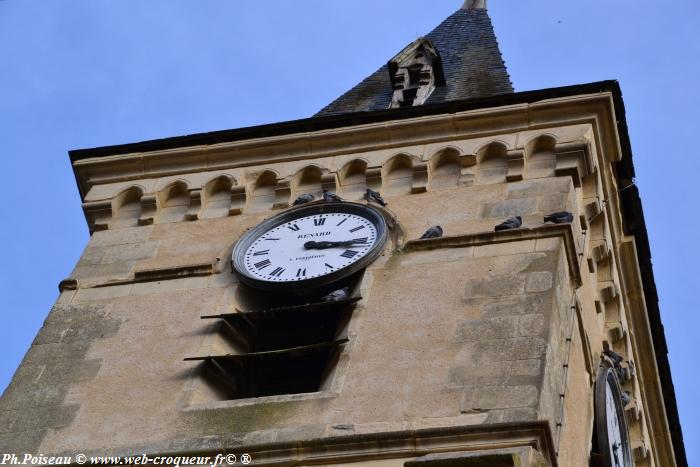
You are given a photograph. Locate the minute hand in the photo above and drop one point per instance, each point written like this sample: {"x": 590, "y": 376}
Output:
{"x": 325, "y": 245}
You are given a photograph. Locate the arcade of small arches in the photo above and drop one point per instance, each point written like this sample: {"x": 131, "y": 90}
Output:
{"x": 401, "y": 174}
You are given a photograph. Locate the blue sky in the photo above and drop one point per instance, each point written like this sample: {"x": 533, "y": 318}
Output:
{"x": 86, "y": 73}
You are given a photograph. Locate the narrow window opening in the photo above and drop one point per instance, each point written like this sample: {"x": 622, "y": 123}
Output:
{"x": 289, "y": 346}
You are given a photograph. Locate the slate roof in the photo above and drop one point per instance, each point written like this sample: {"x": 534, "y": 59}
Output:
{"x": 471, "y": 61}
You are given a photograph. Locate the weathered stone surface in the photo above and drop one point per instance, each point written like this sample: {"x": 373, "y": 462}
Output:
{"x": 496, "y": 286}
{"x": 510, "y": 208}
{"x": 539, "y": 281}
{"x": 486, "y": 329}
{"x": 498, "y": 397}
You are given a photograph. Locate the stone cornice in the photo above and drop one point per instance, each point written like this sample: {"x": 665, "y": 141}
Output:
{"x": 488, "y": 238}
{"x": 594, "y": 109}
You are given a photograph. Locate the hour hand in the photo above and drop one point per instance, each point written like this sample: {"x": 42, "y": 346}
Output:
{"x": 325, "y": 245}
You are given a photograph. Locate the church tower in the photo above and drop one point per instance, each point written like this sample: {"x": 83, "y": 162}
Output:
{"x": 434, "y": 270}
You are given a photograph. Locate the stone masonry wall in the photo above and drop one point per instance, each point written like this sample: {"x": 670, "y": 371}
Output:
{"x": 467, "y": 336}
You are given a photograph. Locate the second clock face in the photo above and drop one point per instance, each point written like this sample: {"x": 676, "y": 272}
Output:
{"x": 309, "y": 247}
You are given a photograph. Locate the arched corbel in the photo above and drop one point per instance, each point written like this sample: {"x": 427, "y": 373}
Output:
{"x": 574, "y": 160}
{"x": 373, "y": 177}
{"x": 467, "y": 176}
{"x": 192, "y": 213}
{"x": 238, "y": 200}
{"x": 420, "y": 177}
{"x": 98, "y": 214}
{"x": 149, "y": 208}
{"x": 283, "y": 193}
{"x": 516, "y": 165}
{"x": 329, "y": 182}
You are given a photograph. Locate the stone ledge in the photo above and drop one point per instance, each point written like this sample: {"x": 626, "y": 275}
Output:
{"x": 565, "y": 231}
{"x": 303, "y": 447}
{"x": 148, "y": 275}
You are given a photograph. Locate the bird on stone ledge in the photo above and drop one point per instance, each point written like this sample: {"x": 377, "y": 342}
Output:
{"x": 337, "y": 295}
{"x": 560, "y": 217}
{"x": 512, "y": 223}
{"x": 329, "y": 197}
{"x": 303, "y": 199}
{"x": 433, "y": 232}
{"x": 373, "y": 197}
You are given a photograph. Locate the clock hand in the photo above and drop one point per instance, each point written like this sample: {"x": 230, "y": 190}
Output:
{"x": 325, "y": 245}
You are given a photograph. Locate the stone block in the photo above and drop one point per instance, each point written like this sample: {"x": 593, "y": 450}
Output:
{"x": 129, "y": 252}
{"x": 486, "y": 329}
{"x": 515, "y": 305}
{"x": 538, "y": 187}
{"x": 523, "y": 348}
{"x": 189, "y": 283}
{"x": 120, "y": 236}
{"x": 505, "y": 248}
{"x": 530, "y": 367}
{"x": 538, "y": 281}
{"x": 550, "y": 204}
{"x": 478, "y": 374}
{"x": 510, "y": 208}
{"x": 497, "y": 286}
{"x": 480, "y": 398}
{"x": 91, "y": 275}
{"x": 102, "y": 293}
{"x": 513, "y": 264}
{"x": 531, "y": 325}
{"x": 39, "y": 417}
{"x": 21, "y": 443}
{"x": 91, "y": 256}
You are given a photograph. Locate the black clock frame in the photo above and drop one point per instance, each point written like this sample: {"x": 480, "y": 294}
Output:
{"x": 607, "y": 375}
{"x": 368, "y": 212}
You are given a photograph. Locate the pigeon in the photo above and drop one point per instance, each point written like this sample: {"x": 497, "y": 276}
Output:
{"x": 559, "y": 217}
{"x": 330, "y": 197}
{"x": 615, "y": 357}
{"x": 626, "y": 398}
{"x": 303, "y": 199}
{"x": 337, "y": 295}
{"x": 373, "y": 196}
{"x": 512, "y": 223}
{"x": 433, "y": 232}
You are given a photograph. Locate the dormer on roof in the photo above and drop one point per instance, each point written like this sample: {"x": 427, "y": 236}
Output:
{"x": 414, "y": 73}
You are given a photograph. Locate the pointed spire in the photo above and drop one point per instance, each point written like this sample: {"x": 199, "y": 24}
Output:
{"x": 474, "y": 5}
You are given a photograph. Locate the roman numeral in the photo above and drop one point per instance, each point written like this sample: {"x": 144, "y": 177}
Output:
{"x": 263, "y": 264}
{"x": 349, "y": 254}
{"x": 320, "y": 221}
{"x": 341, "y": 222}
{"x": 271, "y": 239}
{"x": 277, "y": 272}
{"x": 301, "y": 272}
{"x": 329, "y": 266}
{"x": 261, "y": 252}
{"x": 360, "y": 240}
{"x": 357, "y": 228}
{"x": 293, "y": 227}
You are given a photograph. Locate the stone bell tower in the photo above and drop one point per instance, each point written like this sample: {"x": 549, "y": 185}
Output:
{"x": 538, "y": 344}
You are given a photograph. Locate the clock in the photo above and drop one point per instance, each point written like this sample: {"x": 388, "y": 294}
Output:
{"x": 310, "y": 246}
{"x": 611, "y": 427}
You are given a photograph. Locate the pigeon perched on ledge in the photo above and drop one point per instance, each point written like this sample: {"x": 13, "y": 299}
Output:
{"x": 329, "y": 197}
{"x": 560, "y": 218}
{"x": 303, "y": 199}
{"x": 337, "y": 295}
{"x": 512, "y": 223}
{"x": 373, "y": 197}
{"x": 614, "y": 356}
{"x": 433, "y": 232}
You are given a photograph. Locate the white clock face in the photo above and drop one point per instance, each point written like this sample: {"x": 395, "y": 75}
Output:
{"x": 310, "y": 247}
{"x": 614, "y": 430}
